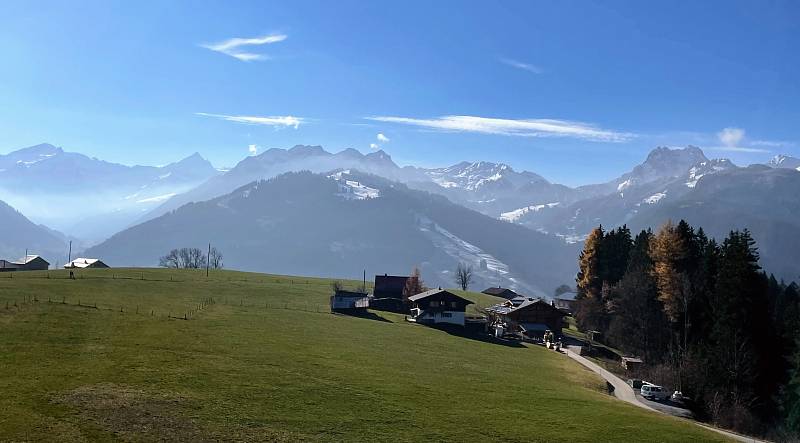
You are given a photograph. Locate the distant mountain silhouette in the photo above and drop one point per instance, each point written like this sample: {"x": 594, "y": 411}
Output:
{"x": 339, "y": 225}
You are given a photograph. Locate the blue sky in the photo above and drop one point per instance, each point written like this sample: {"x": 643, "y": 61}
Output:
{"x": 576, "y": 91}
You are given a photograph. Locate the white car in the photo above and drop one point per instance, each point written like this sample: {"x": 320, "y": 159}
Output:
{"x": 654, "y": 392}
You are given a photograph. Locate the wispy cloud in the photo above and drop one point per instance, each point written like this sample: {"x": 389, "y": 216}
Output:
{"x": 732, "y": 140}
{"x": 252, "y": 149}
{"x": 374, "y": 146}
{"x": 382, "y": 138}
{"x": 235, "y": 46}
{"x": 522, "y": 128}
{"x": 521, "y": 65}
{"x": 276, "y": 121}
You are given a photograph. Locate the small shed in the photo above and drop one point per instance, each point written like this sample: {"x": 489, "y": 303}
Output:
{"x": 438, "y": 306}
{"x": 349, "y": 302}
{"x": 84, "y": 263}
{"x": 566, "y": 302}
{"x": 631, "y": 363}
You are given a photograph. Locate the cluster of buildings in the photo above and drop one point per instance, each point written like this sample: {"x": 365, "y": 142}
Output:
{"x": 518, "y": 316}
{"x": 37, "y": 263}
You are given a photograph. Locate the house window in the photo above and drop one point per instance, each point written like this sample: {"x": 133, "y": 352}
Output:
{"x": 434, "y": 304}
{"x": 447, "y": 314}
{"x": 453, "y": 304}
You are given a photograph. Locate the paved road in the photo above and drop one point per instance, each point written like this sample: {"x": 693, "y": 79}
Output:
{"x": 624, "y": 392}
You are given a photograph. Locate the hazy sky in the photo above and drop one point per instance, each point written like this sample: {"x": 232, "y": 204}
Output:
{"x": 575, "y": 91}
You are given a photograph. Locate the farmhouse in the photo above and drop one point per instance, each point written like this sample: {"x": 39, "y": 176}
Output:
{"x": 501, "y": 292}
{"x": 525, "y": 316}
{"x": 83, "y": 263}
{"x": 438, "y": 306}
{"x": 349, "y": 301}
{"x": 27, "y": 263}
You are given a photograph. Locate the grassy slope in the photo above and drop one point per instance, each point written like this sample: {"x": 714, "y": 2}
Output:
{"x": 238, "y": 369}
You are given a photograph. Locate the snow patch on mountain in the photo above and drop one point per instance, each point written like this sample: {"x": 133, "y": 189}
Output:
{"x": 352, "y": 189}
{"x": 157, "y": 199}
{"x": 515, "y": 215}
{"x": 485, "y": 266}
{"x": 655, "y": 198}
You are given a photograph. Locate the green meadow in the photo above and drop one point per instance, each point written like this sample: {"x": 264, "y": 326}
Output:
{"x": 109, "y": 356}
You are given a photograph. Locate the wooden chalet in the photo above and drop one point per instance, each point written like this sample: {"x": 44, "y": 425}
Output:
{"x": 438, "y": 306}
{"x": 525, "y": 317}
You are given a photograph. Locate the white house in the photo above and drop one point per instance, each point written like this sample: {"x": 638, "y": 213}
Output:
{"x": 438, "y": 306}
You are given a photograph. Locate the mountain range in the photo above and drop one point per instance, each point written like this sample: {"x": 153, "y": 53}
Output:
{"x": 668, "y": 184}
{"x": 346, "y": 222}
{"x": 90, "y": 198}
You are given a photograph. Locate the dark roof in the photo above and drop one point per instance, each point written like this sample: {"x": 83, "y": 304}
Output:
{"x": 500, "y": 292}
{"x": 388, "y": 285}
{"x": 519, "y": 303}
{"x": 567, "y": 296}
{"x": 426, "y": 294}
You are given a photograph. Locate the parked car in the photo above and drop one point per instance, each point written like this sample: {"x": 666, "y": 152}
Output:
{"x": 678, "y": 397}
{"x": 654, "y": 392}
{"x": 635, "y": 383}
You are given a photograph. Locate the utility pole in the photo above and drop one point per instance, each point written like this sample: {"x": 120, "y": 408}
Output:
{"x": 208, "y": 258}
{"x": 69, "y": 257}
{"x": 365, "y": 281}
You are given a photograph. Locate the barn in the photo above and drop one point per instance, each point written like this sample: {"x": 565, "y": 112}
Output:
{"x": 84, "y": 263}
{"x": 438, "y": 306}
{"x": 27, "y": 263}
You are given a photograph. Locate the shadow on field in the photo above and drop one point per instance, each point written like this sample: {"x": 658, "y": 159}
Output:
{"x": 459, "y": 331}
{"x": 368, "y": 316}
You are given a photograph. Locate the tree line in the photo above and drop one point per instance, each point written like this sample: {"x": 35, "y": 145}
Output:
{"x": 191, "y": 258}
{"x": 705, "y": 318}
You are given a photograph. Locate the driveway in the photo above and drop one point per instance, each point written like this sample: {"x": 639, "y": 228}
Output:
{"x": 624, "y": 392}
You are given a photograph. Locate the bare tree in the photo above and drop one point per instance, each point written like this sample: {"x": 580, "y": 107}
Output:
{"x": 414, "y": 284}
{"x": 184, "y": 258}
{"x": 171, "y": 260}
{"x": 464, "y": 275}
{"x": 215, "y": 259}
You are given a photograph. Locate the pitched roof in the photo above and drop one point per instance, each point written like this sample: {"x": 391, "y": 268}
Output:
{"x": 567, "y": 296}
{"x": 432, "y": 292}
{"x": 344, "y": 293}
{"x": 500, "y": 292}
{"x": 82, "y": 263}
{"x": 517, "y": 304}
{"x": 27, "y": 259}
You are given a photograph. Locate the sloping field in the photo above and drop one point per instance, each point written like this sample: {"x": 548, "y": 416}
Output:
{"x": 260, "y": 358}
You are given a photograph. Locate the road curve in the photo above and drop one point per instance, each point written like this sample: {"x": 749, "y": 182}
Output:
{"x": 624, "y": 392}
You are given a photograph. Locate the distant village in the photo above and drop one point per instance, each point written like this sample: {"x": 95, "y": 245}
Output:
{"x": 518, "y": 317}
